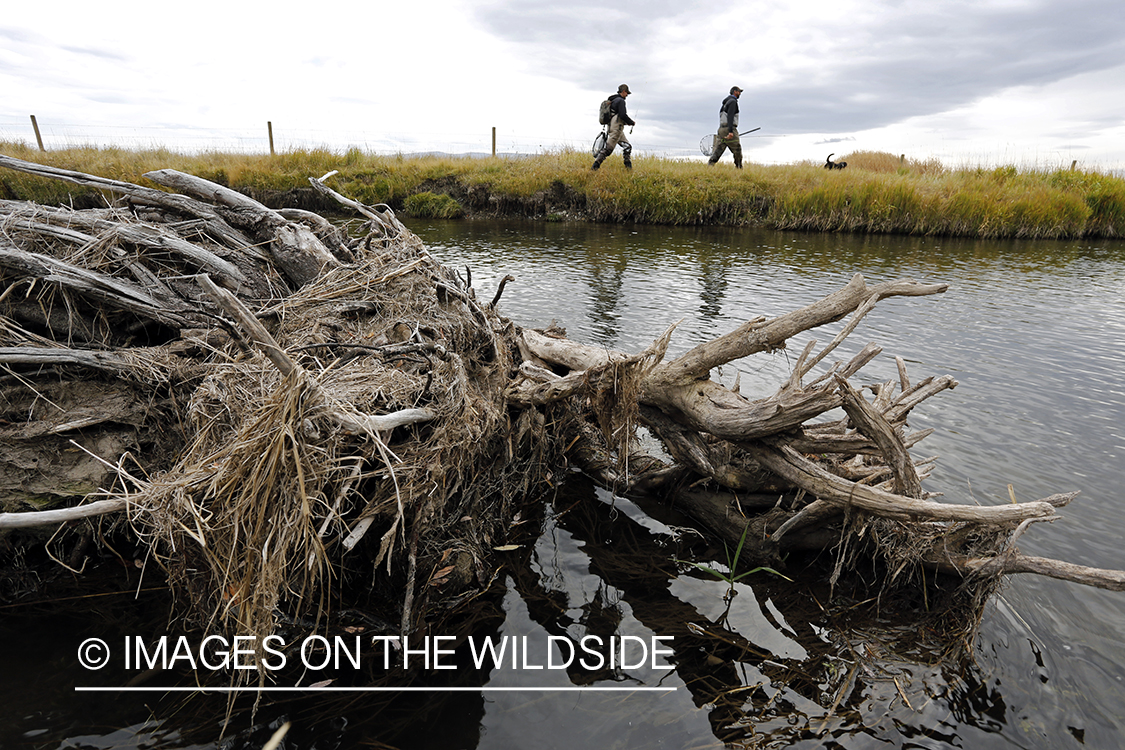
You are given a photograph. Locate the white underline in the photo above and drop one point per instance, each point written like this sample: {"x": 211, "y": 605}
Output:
{"x": 330, "y": 689}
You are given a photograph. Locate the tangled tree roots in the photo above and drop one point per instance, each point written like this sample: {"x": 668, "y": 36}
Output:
{"x": 272, "y": 399}
{"x": 291, "y": 419}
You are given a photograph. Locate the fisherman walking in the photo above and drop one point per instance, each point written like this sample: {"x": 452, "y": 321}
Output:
{"x": 617, "y": 129}
{"x": 727, "y": 137}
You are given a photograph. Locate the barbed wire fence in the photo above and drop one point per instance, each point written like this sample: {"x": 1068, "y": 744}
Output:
{"x": 50, "y": 135}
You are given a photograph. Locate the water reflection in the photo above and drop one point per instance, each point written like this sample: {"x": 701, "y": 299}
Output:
{"x": 781, "y": 665}
{"x": 713, "y": 269}
{"x": 606, "y": 278}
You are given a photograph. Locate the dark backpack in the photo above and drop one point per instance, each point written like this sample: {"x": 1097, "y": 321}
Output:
{"x": 604, "y": 113}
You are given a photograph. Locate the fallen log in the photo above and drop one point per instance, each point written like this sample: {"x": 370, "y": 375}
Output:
{"x": 38, "y": 356}
{"x": 716, "y": 436}
{"x": 158, "y": 305}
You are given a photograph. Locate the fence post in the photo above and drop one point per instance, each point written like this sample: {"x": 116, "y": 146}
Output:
{"x": 269, "y": 126}
{"x": 38, "y": 138}
{"x": 493, "y": 141}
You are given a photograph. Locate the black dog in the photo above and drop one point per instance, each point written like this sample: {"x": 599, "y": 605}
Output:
{"x": 829, "y": 164}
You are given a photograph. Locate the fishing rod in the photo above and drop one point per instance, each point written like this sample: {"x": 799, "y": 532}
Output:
{"x": 707, "y": 142}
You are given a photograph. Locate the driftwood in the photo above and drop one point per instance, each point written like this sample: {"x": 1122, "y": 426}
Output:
{"x": 31, "y": 519}
{"x": 332, "y": 396}
{"x": 295, "y": 249}
{"x": 66, "y": 224}
{"x": 740, "y": 446}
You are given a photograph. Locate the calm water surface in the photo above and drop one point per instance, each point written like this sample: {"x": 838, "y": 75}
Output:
{"x": 1035, "y": 334}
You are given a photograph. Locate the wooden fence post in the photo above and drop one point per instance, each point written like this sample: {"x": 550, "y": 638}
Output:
{"x": 493, "y": 141}
{"x": 38, "y": 138}
{"x": 269, "y": 126}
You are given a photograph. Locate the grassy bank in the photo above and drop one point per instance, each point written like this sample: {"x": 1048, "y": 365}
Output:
{"x": 878, "y": 192}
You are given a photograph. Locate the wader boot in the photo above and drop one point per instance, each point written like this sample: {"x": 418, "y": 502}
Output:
{"x": 600, "y": 158}
{"x": 626, "y": 154}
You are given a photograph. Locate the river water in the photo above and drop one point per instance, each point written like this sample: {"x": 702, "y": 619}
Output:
{"x": 1034, "y": 332}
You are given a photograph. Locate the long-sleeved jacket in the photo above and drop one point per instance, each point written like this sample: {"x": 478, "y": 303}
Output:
{"x": 617, "y": 107}
{"x": 728, "y": 113}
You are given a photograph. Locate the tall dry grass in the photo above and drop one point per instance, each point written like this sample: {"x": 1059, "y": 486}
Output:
{"x": 878, "y": 192}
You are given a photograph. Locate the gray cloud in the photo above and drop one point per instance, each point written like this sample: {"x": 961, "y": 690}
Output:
{"x": 881, "y": 71}
{"x": 582, "y": 40}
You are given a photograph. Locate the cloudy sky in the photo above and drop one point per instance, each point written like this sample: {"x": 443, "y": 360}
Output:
{"x": 1035, "y": 83}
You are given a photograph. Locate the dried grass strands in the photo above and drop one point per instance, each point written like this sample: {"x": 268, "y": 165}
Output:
{"x": 253, "y": 505}
{"x": 107, "y": 290}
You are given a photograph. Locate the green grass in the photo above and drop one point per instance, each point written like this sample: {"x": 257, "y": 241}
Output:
{"x": 731, "y": 577}
{"x": 878, "y": 192}
{"x": 432, "y": 206}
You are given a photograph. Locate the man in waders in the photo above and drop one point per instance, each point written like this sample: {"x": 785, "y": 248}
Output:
{"x": 727, "y": 137}
{"x": 617, "y": 129}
